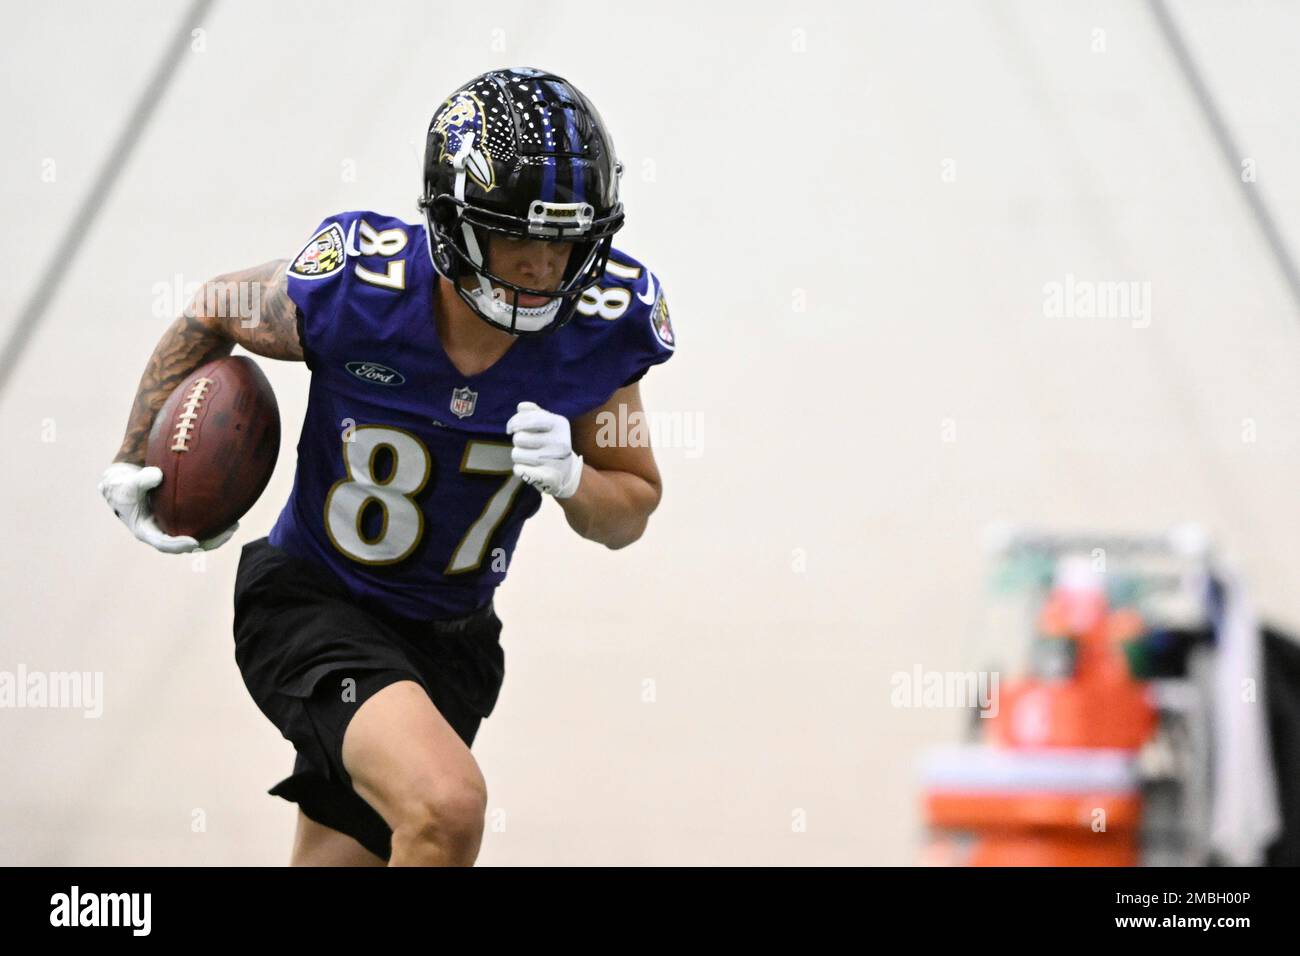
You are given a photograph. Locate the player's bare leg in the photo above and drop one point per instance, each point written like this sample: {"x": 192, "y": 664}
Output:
{"x": 315, "y": 844}
{"x": 407, "y": 762}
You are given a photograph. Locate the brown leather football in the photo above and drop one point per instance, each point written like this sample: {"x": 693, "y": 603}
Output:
{"x": 216, "y": 440}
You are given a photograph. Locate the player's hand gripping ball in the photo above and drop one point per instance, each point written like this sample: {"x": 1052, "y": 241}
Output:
{"x": 543, "y": 450}
{"x": 126, "y": 488}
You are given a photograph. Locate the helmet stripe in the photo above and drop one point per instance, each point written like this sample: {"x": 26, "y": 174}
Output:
{"x": 548, "y": 179}
{"x": 575, "y": 165}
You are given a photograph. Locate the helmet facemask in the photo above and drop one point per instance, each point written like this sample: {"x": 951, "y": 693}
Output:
{"x": 459, "y": 235}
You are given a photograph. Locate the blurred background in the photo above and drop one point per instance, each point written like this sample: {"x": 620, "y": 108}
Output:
{"x": 961, "y": 290}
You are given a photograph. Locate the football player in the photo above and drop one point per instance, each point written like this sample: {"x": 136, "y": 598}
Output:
{"x": 459, "y": 369}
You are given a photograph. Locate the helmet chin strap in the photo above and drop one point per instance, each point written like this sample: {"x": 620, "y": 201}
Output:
{"x": 487, "y": 301}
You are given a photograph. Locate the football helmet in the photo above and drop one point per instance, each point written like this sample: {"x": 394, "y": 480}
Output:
{"x": 519, "y": 152}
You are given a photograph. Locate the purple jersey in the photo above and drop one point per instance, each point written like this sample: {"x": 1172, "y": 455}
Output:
{"x": 404, "y": 487}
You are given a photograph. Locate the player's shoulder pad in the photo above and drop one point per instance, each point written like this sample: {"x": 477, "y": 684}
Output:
{"x": 639, "y": 300}
{"x": 353, "y": 235}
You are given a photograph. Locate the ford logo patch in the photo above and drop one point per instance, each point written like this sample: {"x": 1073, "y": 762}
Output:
{"x": 376, "y": 373}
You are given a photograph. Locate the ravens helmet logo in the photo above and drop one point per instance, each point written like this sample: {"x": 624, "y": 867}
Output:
{"x": 460, "y": 125}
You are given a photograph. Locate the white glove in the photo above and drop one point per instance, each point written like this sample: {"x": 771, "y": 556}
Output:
{"x": 543, "y": 452}
{"x": 126, "y": 489}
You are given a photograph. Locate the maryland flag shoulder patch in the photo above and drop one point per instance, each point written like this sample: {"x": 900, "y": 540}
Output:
{"x": 323, "y": 255}
{"x": 660, "y": 322}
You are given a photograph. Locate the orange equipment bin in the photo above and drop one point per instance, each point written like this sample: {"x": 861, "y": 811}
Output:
{"x": 1058, "y": 784}
{"x": 993, "y": 806}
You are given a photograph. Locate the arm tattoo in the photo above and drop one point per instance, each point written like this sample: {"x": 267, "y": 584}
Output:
{"x": 250, "y": 308}
{"x": 254, "y": 310}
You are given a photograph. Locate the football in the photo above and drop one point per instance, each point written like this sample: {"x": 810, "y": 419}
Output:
{"x": 216, "y": 439}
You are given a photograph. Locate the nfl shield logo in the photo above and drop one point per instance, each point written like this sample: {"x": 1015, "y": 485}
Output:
{"x": 462, "y": 401}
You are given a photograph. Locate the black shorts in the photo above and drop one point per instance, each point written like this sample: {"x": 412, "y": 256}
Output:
{"x": 300, "y": 637}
